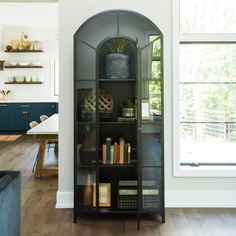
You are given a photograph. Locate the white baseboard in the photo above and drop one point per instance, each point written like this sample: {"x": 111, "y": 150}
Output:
{"x": 199, "y": 199}
{"x": 65, "y": 200}
{"x": 218, "y": 199}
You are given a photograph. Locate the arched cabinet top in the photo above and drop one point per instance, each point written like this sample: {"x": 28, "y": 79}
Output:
{"x": 116, "y": 23}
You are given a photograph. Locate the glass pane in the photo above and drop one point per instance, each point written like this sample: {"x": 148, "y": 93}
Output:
{"x": 207, "y": 62}
{"x": 136, "y": 28}
{"x": 207, "y": 16}
{"x": 86, "y": 144}
{"x": 208, "y": 142}
{"x": 86, "y": 101}
{"x": 86, "y": 180}
{"x": 151, "y": 187}
{"x": 156, "y": 70}
{"x": 151, "y": 149}
{"x": 156, "y": 46}
{"x": 207, "y": 102}
{"x": 146, "y": 62}
{"x": 151, "y": 100}
{"x": 85, "y": 61}
{"x": 95, "y": 26}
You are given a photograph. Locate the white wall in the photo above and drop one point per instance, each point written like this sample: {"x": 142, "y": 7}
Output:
{"x": 179, "y": 191}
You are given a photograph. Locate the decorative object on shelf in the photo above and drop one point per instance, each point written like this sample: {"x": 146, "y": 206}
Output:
{"x": 11, "y": 79}
{"x": 156, "y": 117}
{"x": 89, "y": 105}
{"x": 28, "y": 78}
{"x": 38, "y": 45}
{"x": 145, "y": 109}
{"x": 24, "y": 45}
{"x": 104, "y": 195}
{"x": 1, "y": 64}
{"x": 5, "y": 94}
{"x": 117, "y": 63}
{"x": 19, "y": 79}
{"x": 88, "y": 192}
{"x": 128, "y": 108}
{"x": 14, "y": 45}
{"x": 87, "y": 151}
{"x": 9, "y": 48}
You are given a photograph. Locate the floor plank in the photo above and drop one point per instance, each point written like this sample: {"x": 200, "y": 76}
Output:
{"x": 40, "y": 218}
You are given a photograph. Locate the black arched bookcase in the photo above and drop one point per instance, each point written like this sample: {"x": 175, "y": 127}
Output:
{"x": 118, "y": 116}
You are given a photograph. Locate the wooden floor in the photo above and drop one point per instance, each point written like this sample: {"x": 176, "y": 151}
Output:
{"x": 39, "y": 216}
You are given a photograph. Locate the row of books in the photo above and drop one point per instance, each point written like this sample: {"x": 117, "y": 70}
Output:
{"x": 117, "y": 153}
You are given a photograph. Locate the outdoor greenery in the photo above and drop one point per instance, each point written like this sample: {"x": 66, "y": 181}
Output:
{"x": 155, "y": 82}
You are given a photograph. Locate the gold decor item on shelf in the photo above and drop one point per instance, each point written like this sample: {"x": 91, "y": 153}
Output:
{"x": 14, "y": 44}
{"x": 105, "y": 105}
{"x": 105, "y": 101}
{"x": 5, "y": 94}
{"x": 88, "y": 192}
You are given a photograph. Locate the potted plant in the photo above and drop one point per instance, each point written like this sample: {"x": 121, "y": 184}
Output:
{"x": 117, "y": 63}
{"x": 128, "y": 108}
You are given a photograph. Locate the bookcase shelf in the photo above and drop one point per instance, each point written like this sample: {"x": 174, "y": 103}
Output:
{"x": 133, "y": 181}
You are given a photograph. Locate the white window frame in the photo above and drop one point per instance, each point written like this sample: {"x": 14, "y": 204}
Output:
{"x": 180, "y": 171}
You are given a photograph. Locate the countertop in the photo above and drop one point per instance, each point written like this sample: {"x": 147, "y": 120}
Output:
{"x": 28, "y": 101}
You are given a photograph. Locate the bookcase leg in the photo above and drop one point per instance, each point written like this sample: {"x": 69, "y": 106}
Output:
{"x": 163, "y": 218}
{"x": 138, "y": 221}
{"x": 75, "y": 217}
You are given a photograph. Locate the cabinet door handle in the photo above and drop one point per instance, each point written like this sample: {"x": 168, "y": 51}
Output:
{"x": 3, "y": 105}
{"x": 25, "y": 112}
{"x": 53, "y": 106}
{"x": 25, "y": 106}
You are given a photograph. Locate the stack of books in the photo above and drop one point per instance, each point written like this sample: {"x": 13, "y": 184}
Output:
{"x": 117, "y": 154}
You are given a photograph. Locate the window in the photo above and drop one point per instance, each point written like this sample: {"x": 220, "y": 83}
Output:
{"x": 204, "y": 85}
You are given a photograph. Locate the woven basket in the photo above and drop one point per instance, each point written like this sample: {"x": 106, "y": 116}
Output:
{"x": 105, "y": 101}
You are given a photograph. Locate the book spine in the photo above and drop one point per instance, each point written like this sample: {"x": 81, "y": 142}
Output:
{"x": 115, "y": 153}
{"x": 112, "y": 154}
{"x": 94, "y": 195}
{"x": 118, "y": 154}
{"x": 104, "y": 154}
{"x": 129, "y": 153}
{"x": 122, "y": 144}
{"x": 126, "y": 153}
{"x": 108, "y": 149}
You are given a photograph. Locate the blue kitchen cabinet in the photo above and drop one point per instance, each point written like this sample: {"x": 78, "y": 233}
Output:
{"x": 24, "y": 113}
{"x": 15, "y": 117}
{"x": 5, "y": 116}
{"x": 50, "y": 108}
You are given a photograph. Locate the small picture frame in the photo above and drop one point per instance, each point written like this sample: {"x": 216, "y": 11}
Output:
{"x": 104, "y": 195}
{"x": 145, "y": 109}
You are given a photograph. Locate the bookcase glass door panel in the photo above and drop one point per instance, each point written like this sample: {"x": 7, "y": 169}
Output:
{"x": 151, "y": 188}
{"x": 86, "y": 101}
{"x": 86, "y": 145}
{"x": 151, "y": 149}
{"x": 151, "y": 104}
{"x": 86, "y": 188}
{"x": 85, "y": 61}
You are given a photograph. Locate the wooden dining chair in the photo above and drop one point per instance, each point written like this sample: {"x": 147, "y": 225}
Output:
{"x": 32, "y": 124}
{"x": 43, "y": 117}
{"x": 50, "y": 142}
